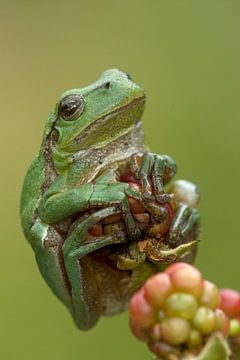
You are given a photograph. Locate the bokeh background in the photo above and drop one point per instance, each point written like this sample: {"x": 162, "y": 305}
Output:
{"x": 186, "y": 54}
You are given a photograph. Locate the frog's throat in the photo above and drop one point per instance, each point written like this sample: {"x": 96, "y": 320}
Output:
{"x": 114, "y": 151}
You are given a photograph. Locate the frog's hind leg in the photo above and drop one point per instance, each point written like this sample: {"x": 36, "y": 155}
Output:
{"x": 86, "y": 310}
{"x": 47, "y": 245}
{"x": 185, "y": 228}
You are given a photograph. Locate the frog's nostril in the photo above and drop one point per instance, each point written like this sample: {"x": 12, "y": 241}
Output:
{"x": 107, "y": 85}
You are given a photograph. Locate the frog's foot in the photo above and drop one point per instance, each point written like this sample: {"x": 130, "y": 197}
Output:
{"x": 153, "y": 171}
{"x": 75, "y": 248}
{"x": 185, "y": 223}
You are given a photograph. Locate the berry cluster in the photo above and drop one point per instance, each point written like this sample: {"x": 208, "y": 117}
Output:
{"x": 177, "y": 310}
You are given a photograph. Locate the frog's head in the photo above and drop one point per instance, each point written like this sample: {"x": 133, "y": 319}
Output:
{"x": 99, "y": 113}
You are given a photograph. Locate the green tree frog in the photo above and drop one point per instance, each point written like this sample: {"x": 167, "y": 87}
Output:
{"x": 92, "y": 135}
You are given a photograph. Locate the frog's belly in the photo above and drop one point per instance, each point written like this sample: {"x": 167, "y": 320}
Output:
{"x": 106, "y": 288}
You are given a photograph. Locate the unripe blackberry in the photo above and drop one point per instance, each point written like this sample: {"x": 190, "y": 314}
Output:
{"x": 176, "y": 311}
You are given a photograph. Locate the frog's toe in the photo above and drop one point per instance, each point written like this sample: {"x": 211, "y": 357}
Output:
{"x": 163, "y": 198}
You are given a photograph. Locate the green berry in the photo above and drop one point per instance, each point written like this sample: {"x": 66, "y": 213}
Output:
{"x": 205, "y": 320}
{"x": 234, "y": 327}
{"x": 181, "y": 305}
{"x": 211, "y": 296}
{"x": 175, "y": 331}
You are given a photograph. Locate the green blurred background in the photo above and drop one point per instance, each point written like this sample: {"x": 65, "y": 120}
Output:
{"x": 186, "y": 54}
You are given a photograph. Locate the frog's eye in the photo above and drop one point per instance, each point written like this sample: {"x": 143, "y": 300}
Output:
{"x": 71, "y": 107}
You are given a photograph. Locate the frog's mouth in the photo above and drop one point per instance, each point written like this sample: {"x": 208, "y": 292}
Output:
{"x": 111, "y": 126}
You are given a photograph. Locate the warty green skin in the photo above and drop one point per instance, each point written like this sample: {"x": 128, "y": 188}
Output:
{"x": 76, "y": 169}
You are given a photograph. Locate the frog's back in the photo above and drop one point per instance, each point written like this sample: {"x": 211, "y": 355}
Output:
{"x": 31, "y": 192}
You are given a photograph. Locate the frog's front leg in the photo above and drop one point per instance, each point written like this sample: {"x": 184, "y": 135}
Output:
{"x": 65, "y": 203}
{"x": 153, "y": 171}
{"x": 86, "y": 310}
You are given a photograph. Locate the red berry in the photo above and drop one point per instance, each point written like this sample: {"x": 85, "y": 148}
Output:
{"x": 176, "y": 266}
{"x": 157, "y": 289}
{"x": 230, "y": 302}
{"x": 140, "y": 310}
{"x": 186, "y": 278}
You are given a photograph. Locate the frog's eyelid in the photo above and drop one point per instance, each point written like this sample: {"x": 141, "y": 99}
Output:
{"x": 76, "y": 107}
{"x": 105, "y": 86}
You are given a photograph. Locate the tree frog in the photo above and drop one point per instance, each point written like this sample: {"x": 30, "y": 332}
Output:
{"x": 92, "y": 134}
